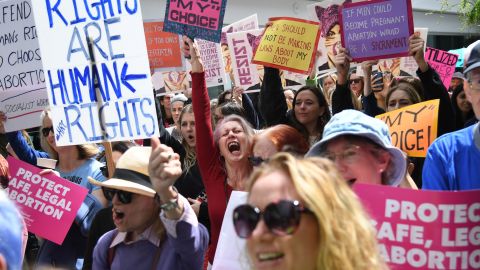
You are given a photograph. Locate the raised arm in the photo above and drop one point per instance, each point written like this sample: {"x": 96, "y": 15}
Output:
{"x": 433, "y": 86}
{"x": 273, "y": 106}
{"x": 341, "y": 97}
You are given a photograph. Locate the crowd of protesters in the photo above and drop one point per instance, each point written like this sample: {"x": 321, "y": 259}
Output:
{"x": 296, "y": 153}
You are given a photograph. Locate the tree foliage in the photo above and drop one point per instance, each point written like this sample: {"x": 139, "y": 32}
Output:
{"x": 468, "y": 10}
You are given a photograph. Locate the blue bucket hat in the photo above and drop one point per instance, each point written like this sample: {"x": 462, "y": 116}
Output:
{"x": 10, "y": 233}
{"x": 356, "y": 123}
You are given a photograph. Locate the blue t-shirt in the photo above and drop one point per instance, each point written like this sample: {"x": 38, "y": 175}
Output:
{"x": 90, "y": 167}
{"x": 453, "y": 162}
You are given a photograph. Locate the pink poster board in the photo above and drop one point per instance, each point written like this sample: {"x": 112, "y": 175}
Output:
{"x": 48, "y": 203}
{"x": 195, "y": 18}
{"x": 376, "y": 29}
{"x": 443, "y": 62}
{"x": 425, "y": 229}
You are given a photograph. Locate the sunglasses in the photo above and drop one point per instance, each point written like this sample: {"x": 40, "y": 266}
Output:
{"x": 46, "y": 131}
{"x": 281, "y": 218}
{"x": 256, "y": 161}
{"x": 124, "y": 197}
{"x": 355, "y": 81}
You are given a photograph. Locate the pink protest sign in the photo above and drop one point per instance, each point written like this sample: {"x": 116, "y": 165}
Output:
{"x": 443, "y": 62}
{"x": 425, "y": 229}
{"x": 195, "y": 18}
{"x": 48, "y": 203}
{"x": 376, "y": 29}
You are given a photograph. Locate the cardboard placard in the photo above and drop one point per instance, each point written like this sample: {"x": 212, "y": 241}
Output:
{"x": 48, "y": 203}
{"x": 413, "y": 128}
{"x": 22, "y": 80}
{"x": 241, "y": 46}
{"x": 212, "y": 58}
{"x": 376, "y": 29}
{"x": 420, "y": 229}
{"x": 201, "y": 19}
{"x": 163, "y": 48}
{"x": 289, "y": 44}
{"x": 231, "y": 250}
{"x": 443, "y": 62}
{"x": 245, "y": 24}
{"x": 82, "y": 93}
{"x": 458, "y": 52}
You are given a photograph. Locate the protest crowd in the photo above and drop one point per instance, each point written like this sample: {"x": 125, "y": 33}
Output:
{"x": 337, "y": 142}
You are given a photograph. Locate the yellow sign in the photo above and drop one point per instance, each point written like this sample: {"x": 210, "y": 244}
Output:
{"x": 413, "y": 128}
{"x": 288, "y": 44}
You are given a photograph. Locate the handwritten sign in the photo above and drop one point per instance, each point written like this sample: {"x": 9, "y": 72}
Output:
{"x": 211, "y": 55}
{"x": 22, "y": 80}
{"x": 48, "y": 203}
{"x": 443, "y": 62}
{"x": 376, "y": 29}
{"x": 413, "y": 128}
{"x": 231, "y": 249}
{"x": 110, "y": 99}
{"x": 163, "y": 48}
{"x": 241, "y": 46}
{"x": 289, "y": 44}
{"x": 195, "y": 18}
{"x": 245, "y": 24}
{"x": 424, "y": 229}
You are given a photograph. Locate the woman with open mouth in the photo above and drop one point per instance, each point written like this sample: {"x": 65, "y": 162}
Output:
{"x": 222, "y": 156}
{"x": 361, "y": 148}
{"x": 301, "y": 215}
{"x": 156, "y": 228}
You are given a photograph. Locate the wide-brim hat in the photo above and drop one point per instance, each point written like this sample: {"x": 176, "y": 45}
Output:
{"x": 356, "y": 123}
{"x": 131, "y": 173}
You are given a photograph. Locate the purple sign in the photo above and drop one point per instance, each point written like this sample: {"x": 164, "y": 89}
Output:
{"x": 376, "y": 29}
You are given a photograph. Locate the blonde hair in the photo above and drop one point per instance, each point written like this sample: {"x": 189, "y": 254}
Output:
{"x": 346, "y": 237}
{"x": 190, "y": 154}
{"x": 85, "y": 151}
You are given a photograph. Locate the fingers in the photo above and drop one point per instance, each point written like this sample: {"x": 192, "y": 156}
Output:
{"x": 155, "y": 142}
{"x": 193, "y": 201}
{"x": 48, "y": 171}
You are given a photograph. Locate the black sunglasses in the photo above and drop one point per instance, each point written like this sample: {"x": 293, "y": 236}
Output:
{"x": 46, "y": 131}
{"x": 124, "y": 197}
{"x": 355, "y": 81}
{"x": 281, "y": 218}
{"x": 256, "y": 161}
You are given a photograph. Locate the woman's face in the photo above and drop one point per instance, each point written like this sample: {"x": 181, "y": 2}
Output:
{"x": 187, "y": 127}
{"x": 333, "y": 43}
{"x": 47, "y": 122}
{"x": 233, "y": 142}
{"x": 398, "y": 99}
{"x": 463, "y": 104}
{"x": 135, "y": 216}
{"x": 328, "y": 83}
{"x": 356, "y": 84}
{"x": 270, "y": 251}
{"x": 307, "y": 110}
{"x": 176, "y": 108}
{"x": 356, "y": 161}
{"x": 264, "y": 147}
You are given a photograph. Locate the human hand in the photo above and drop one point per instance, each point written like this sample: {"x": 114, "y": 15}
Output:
{"x": 416, "y": 49}
{"x": 342, "y": 63}
{"x": 190, "y": 48}
{"x": 164, "y": 169}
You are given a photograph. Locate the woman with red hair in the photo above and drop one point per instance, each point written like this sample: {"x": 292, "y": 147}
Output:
{"x": 279, "y": 138}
